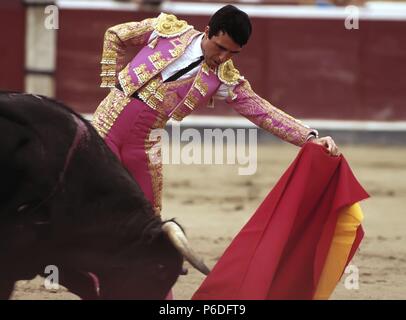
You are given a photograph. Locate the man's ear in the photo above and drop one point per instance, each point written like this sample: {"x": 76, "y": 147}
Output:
{"x": 206, "y": 31}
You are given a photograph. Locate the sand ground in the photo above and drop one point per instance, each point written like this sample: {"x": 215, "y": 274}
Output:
{"x": 213, "y": 202}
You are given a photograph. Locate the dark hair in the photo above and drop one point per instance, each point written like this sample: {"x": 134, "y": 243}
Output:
{"x": 232, "y": 21}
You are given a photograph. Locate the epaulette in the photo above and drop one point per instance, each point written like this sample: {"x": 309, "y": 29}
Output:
{"x": 228, "y": 74}
{"x": 167, "y": 26}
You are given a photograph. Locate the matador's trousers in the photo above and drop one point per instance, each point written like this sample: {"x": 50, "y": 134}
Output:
{"x": 133, "y": 141}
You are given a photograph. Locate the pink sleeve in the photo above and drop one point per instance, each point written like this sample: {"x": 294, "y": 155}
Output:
{"x": 116, "y": 39}
{"x": 259, "y": 111}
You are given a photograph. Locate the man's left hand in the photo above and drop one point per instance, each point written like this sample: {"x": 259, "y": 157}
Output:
{"x": 328, "y": 143}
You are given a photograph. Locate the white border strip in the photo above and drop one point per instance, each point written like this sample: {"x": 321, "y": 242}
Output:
{"x": 240, "y": 122}
{"x": 371, "y": 11}
{"x": 396, "y": 12}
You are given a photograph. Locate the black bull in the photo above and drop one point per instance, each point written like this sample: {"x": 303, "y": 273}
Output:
{"x": 67, "y": 201}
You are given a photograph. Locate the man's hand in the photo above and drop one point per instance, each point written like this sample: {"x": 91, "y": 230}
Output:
{"x": 328, "y": 143}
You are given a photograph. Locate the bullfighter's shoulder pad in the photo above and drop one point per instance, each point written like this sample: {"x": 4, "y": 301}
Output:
{"x": 228, "y": 74}
{"x": 167, "y": 26}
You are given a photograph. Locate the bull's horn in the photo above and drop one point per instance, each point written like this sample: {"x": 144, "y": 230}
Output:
{"x": 180, "y": 242}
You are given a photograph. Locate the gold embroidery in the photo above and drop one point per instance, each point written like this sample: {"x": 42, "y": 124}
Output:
{"x": 153, "y": 84}
{"x": 109, "y": 57}
{"x": 179, "y": 47}
{"x": 133, "y": 30}
{"x": 142, "y": 73}
{"x": 108, "y": 70}
{"x": 144, "y": 95}
{"x": 108, "y": 82}
{"x": 108, "y": 111}
{"x": 154, "y": 160}
{"x": 157, "y": 60}
{"x": 167, "y": 25}
{"x": 160, "y": 93}
{"x": 201, "y": 86}
{"x": 205, "y": 68}
{"x": 153, "y": 93}
{"x": 228, "y": 74}
{"x": 175, "y": 52}
{"x": 145, "y": 92}
{"x": 108, "y": 73}
{"x": 153, "y": 102}
{"x": 114, "y": 46}
{"x": 191, "y": 101}
{"x": 126, "y": 81}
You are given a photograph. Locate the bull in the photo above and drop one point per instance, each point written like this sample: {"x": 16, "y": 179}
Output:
{"x": 66, "y": 200}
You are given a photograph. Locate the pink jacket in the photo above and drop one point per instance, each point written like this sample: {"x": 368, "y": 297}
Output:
{"x": 142, "y": 75}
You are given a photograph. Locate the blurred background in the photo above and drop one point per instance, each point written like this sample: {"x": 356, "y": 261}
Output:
{"x": 342, "y": 76}
{"x": 301, "y": 56}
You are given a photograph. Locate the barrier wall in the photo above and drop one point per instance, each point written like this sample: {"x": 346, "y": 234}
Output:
{"x": 302, "y": 59}
{"x": 12, "y": 26}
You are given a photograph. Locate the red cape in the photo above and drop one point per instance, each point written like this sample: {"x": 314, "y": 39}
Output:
{"x": 281, "y": 251}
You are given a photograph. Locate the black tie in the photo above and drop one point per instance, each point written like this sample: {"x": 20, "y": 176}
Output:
{"x": 181, "y": 72}
{"x": 176, "y": 76}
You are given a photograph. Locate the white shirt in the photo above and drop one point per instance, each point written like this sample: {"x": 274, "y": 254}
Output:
{"x": 192, "y": 53}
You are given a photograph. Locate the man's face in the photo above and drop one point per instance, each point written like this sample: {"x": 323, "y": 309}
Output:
{"x": 218, "y": 49}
